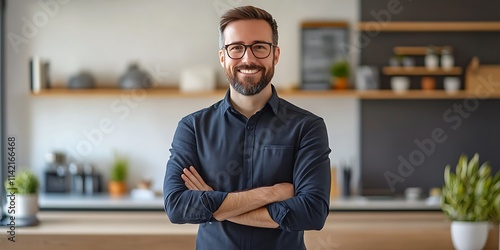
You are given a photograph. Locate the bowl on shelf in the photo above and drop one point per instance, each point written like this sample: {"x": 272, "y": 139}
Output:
{"x": 400, "y": 83}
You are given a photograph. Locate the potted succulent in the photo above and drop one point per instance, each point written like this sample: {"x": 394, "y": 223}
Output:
{"x": 468, "y": 201}
{"x": 117, "y": 185}
{"x": 340, "y": 73}
{"x": 22, "y": 194}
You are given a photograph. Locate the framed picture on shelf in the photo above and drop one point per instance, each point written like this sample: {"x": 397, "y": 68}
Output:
{"x": 322, "y": 44}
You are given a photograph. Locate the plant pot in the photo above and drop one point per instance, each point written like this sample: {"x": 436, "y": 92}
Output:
{"x": 341, "y": 83}
{"x": 22, "y": 206}
{"x": 469, "y": 235}
{"x": 117, "y": 188}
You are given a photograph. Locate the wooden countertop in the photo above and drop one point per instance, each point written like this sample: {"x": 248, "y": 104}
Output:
{"x": 153, "y": 230}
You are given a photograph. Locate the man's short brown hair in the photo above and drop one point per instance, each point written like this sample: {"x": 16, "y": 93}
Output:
{"x": 247, "y": 13}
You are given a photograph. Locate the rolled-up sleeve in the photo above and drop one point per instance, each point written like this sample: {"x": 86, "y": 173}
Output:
{"x": 183, "y": 205}
{"x": 309, "y": 208}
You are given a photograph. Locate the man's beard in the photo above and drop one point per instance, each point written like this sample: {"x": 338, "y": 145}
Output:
{"x": 249, "y": 85}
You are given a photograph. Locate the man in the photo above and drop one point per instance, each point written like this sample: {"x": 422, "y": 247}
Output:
{"x": 253, "y": 170}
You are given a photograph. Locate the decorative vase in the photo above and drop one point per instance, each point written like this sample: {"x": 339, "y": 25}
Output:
{"x": 135, "y": 78}
{"x": 117, "y": 188}
{"x": 469, "y": 235}
{"x": 83, "y": 80}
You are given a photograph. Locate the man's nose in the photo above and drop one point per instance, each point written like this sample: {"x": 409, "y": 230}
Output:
{"x": 248, "y": 56}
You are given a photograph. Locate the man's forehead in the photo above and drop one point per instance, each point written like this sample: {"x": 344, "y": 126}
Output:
{"x": 258, "y": 30}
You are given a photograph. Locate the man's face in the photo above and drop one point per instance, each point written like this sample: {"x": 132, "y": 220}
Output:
{"x": 248, "y": 75}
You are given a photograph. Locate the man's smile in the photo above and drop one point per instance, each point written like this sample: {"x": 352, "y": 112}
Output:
{"x": 248, "y": 71}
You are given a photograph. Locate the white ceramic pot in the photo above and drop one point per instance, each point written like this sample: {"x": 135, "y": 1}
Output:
{"x": 22, "y": 206}
{"x": 451, "y": 84}
{"x": 469, "y": 235}
{"x": 400, "y": 83}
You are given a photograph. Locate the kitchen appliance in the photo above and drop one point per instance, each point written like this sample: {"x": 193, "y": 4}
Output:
{"x": 56, "y": 173}
{"x": 63, "y": 177}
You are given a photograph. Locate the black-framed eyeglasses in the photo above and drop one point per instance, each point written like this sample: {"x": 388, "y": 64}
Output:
{"x": 260, "y": 50}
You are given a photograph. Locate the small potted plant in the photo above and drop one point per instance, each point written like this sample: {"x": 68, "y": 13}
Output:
{"x": 468, "y": 201}
{"x": 22, "y": 194}
{"x": 340, "y": 73}
{"x": 117, "y": 185}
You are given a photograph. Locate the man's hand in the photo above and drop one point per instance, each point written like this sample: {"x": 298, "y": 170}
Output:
{"x": 193, "y": 180}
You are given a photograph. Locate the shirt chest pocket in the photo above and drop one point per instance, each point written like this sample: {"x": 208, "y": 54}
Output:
{"x": 278, "y": 164}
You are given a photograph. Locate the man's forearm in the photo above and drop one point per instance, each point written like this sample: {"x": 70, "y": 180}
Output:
{"x": 239, "y": 203}
{"x": 242, "y": 202}
{"x": 256, "y": 218}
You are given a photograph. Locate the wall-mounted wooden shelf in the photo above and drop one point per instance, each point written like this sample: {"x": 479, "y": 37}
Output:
{"x": 418, "y": 50}
{"x": 428, "y": 26}
{"x": 420, "y": 71}
{"x": 106, "y": 92}
{"x": 291, "y": 93}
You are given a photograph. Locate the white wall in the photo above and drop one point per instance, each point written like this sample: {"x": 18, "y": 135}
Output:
{"x": 104, "y": 36}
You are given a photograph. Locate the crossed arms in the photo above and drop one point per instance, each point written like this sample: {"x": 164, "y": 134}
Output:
{"x": 246, "y": 207}
{"x": 302, "y": 205}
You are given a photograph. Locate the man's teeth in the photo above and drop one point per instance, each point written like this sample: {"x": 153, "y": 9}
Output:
{"x": 248, "y": 71}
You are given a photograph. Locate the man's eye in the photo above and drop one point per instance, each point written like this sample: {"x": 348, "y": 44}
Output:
{"x": 237, "y": 47}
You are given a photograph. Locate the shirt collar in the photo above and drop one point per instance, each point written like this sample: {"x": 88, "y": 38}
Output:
{"x": 273, "y": 101}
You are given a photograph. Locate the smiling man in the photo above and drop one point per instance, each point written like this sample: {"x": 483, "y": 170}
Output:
{"x": 253, "y": 169}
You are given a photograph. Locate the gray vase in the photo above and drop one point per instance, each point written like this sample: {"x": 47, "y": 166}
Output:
{"x": 135, "y": 78}
{"x": 83, "y": 80}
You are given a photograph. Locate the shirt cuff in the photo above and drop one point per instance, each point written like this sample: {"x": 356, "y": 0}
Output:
{"x": 212, "y": 200}
{"x": 278, "y": 212}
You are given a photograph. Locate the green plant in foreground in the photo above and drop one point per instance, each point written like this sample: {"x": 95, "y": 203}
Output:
{"x": 119, "y": 170}
{"x": 469, "y": 194}
{"x": 24, "y": 183}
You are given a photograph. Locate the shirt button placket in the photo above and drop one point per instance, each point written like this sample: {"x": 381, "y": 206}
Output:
{"x": 249, "y": 144}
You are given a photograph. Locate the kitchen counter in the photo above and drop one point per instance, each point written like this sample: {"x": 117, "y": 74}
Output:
{"x": 152, "y": 230}
{"x": 105, "y": 202}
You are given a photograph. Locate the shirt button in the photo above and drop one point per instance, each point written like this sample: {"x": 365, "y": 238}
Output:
{"x": 249, "y": 127}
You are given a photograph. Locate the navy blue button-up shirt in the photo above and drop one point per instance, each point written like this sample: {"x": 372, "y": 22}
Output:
{"x": 280, "y": 143}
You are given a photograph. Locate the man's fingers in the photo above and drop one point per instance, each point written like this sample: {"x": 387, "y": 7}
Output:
{"x": 192, "y": 178}
{"x": 189, "y": 184}
{"x": 200, "y": 179}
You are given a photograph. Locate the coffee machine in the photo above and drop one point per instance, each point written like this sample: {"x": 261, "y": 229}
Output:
{"x": 62, "y": 176}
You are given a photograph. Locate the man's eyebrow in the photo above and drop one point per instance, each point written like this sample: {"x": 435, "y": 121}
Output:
{"x": 254, "y": 41}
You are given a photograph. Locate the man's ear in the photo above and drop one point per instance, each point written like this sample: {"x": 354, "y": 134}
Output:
{"x": 221, "y": 57}
{"x": 277, "y": 52}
